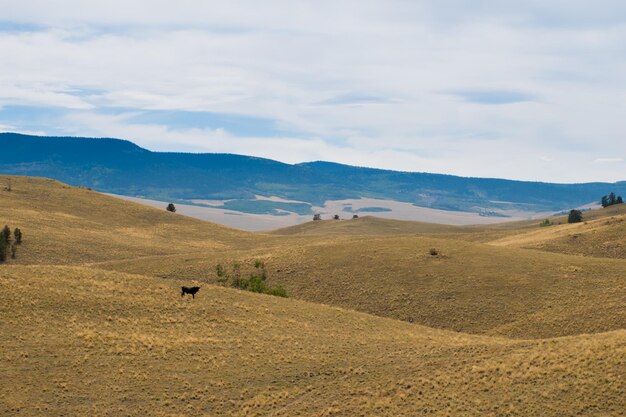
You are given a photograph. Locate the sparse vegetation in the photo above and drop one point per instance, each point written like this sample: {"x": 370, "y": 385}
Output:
{"x": 13, "y": 250}
{"x": 575, "y": 216}
{"x": 171, "y": 207}
{"x": 545, "y": 223}
{"x": 254, "y": 282}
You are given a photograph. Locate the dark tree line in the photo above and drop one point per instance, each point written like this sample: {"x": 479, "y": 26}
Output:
{"x": 611, "y": 199}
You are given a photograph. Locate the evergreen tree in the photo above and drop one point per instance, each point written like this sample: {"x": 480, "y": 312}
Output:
{"x": 575, "y": 216}
{"x": 17, "y": 234}
{"x": 605, "y": 201}
{"x": 612, "y": 199}
{"x": 3, "y": 247}
{"x": 619, "y": 200}
{"x": 6, "y": 233}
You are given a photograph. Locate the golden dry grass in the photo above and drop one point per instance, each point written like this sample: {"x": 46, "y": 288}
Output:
{"x": 600, "y": 235}
{"x": 93, "y": 322}
{"x": 80, "y": 341}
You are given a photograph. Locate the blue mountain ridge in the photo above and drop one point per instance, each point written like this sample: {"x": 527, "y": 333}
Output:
{"x": 121, "y": 167}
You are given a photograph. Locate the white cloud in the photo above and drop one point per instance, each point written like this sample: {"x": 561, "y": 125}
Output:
{"x": 359, "y": 82}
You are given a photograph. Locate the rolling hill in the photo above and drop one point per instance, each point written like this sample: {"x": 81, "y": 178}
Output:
{"x": 94, "y": 324}
{"x": 121, "y": 167}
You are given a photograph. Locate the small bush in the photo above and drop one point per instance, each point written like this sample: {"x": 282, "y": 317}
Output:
{"x": 277, "y": 291}
{"x": 171, "y": 207}
{"x": 545, "y": 223}
{"x": 255, "y": 282}
{"x": 222, "y": 275}
{"x": 433, "y": 252}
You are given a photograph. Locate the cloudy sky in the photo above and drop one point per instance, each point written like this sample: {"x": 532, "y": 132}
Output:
{"x": 516, "y": 89}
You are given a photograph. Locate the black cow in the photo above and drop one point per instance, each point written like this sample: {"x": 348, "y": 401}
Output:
{"x": 190, "y": 290}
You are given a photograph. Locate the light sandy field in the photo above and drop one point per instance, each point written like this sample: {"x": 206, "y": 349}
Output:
{"x": 267, "y": 222}
{"x": 504, "y": 320}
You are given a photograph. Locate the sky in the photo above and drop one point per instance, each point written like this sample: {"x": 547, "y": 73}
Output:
{"x": 530, "y": 90}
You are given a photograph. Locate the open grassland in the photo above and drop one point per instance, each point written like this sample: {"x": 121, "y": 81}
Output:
{"x": 80, "y": 341}
{"x": 503, "y": 323}
{"x": 602, "y": 235}
{"x": 70, "y": 225}
{"x": 376, "y": 266}
{"x": 468, "y": 287}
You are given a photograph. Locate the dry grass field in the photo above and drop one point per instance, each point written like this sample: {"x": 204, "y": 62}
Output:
{"x": 502, "y": 321}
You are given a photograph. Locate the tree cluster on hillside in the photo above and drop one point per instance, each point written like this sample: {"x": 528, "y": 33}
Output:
{"x": 254, "y": 282}
{"x": 575, "y": 216}
{"x": 9, "y": 244}
{"x": 611, "y": 199}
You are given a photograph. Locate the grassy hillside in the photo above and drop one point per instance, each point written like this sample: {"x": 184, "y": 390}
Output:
{"x": 468, "y": 287}
{"x": 93, "y": 322}
{"x": 80, "y": 341}
{"x": 601, "y": 235}
{"x": 68, "y": 225}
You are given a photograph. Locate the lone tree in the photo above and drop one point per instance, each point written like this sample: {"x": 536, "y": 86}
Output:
{"x": 317, "y": 217}
{"x": 575, "y": 216}
{"x": 336, "y": 217}
{"x": 171, "y": 207}
{"x": 17, "y": 234}
{"x": 355, "y": 216}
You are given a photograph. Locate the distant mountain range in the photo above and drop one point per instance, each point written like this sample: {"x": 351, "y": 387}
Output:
{"x": 121, "y": 167}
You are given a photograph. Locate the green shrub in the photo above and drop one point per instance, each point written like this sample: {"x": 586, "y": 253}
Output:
{"x": 255, "y": 282}
{"x": 277, "y": 291}
{"x": 545, "y": 223}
